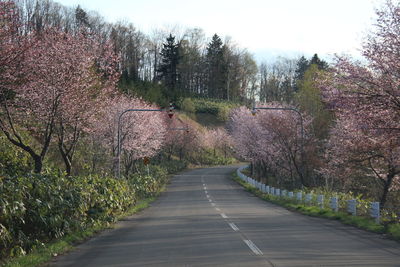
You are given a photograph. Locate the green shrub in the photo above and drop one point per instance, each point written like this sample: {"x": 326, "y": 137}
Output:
{"x": 13, "y": 161}
{"x": 394, "y": 230}
{"x": 208, "y": 157}
{"x": 149, "y": 182}
{"x": 223, "y": 113}
{"x": 212, "y": 106}
{"x": 38, "y": 208}
{"x": 173, "y": 166}
{"x": 188, "y": 105}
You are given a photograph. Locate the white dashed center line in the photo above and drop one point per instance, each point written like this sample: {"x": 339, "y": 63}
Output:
{"x": 234, "y": 227}
{"x": 253, "y": 247}
{"x": 248, "y": 242}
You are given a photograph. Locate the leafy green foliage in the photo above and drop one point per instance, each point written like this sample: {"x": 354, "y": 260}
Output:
{"x": 213, "y": 106}
{"x": 172, "y": 166}
{"x": 149, "y": 182}
{"x": 188, "y": 105}
{"x": 309, "y": 99}
{"x": 148, "y": 91}
{"x": 13, "y": 161}
{"x": 394, "y": 230}
{"x": 38, "y": 208}
{"x": 223, "y": 113}
{"x": 208, "y": 157}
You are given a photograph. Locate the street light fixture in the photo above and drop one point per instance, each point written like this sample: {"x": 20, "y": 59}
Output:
{"x": 170, "y": 114}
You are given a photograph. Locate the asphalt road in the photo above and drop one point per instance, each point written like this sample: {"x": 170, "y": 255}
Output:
{"x": 206, "y": 219}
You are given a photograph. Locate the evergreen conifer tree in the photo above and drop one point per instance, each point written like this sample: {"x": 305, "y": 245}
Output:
{"x": 217, "y": 68}
{"x": 167, "y": 71}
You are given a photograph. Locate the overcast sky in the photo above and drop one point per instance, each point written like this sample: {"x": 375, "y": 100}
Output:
{"x": 267, "y": 28}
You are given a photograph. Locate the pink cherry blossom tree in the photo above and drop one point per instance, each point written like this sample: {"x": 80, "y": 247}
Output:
{"x": 273, "y": 142}
{"x": 366, "y": 100}
{"x": 142, "y": 133}
{"x": 217, "y": 139}
{"x": 84, "y": 101}
{"x": 61, "y": 79}
{"x": 183, "y": 137}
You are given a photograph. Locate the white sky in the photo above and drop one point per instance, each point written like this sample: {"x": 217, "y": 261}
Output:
{"x": 267, "y": 28}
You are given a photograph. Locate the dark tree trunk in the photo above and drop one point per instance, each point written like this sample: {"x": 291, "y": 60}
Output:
{"x": 38, "y": 163}
{"x": 386, "y": 187}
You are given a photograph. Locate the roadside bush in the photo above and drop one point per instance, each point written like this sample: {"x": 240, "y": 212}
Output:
{"x": 13, "y": 161}
{"x": 188, "y": 105}
{"x": 223, "y": 113}
{"x": 38, "y": 208}
{"x": 208, "y": 157}
{"x": 173, "y": 166}
{"x": 148, "y": 182}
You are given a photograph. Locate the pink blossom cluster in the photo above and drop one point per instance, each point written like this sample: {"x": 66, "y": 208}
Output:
{"x": 272, "y": 138}
{"x": 142, "y": 133}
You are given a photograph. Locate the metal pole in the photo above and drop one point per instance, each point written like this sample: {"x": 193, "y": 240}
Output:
{"x": 119, "y": 134}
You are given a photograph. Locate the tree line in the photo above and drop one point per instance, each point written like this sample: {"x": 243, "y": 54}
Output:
{"x": 185, "y": 63}
{"x": 168, "y": 65}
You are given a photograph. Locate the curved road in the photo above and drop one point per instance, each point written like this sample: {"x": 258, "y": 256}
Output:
{"x": 206, "y": 219}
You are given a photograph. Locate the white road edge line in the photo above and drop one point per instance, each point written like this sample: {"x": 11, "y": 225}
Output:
{"x": 206, "y": 191}
{"x": 210, "y": 200}
{"x": 253, "y": 247}
{"x": 217, "y": 209}
{"x": 213, "y": 204}
{"x": 234, "y": 227}
{"x": 208, "y": 196}
{"x": 224, "y": 216}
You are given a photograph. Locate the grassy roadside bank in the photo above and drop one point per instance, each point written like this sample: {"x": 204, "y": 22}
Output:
{"x": 46, "y": 252}
{"x": 390, "y": 230}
